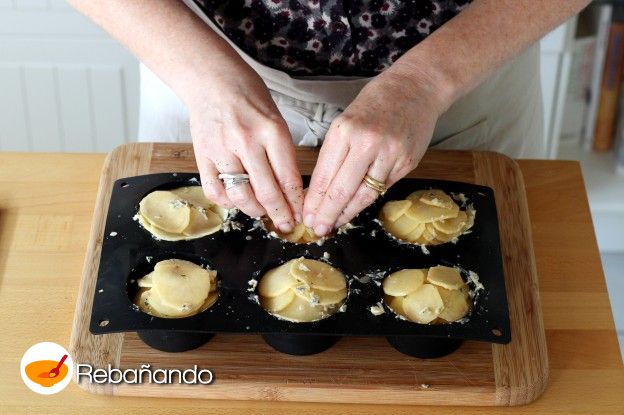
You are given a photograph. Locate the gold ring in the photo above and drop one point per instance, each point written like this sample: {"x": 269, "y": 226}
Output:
{"x": 376, "y": 185}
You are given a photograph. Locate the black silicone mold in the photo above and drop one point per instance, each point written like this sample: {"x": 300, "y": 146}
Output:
{"x": 364, "y": 254}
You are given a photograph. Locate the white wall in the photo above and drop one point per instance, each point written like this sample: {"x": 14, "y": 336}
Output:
{"x": 64, "y": 84}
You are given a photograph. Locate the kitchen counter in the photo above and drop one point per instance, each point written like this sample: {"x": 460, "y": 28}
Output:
{"x": 46, "y": 206}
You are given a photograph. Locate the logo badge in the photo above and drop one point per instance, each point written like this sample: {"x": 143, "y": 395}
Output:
{"x": 46, "y": 368}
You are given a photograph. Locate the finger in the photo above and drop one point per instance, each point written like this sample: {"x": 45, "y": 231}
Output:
{"x": 281, "y": 155}
{"x": 242, "y": 194}
{"x": 208, "y": 175}
{"x": 341, "y": 190}
{"x": 266, "y": 189}
{"x": 365, "y": 196}
{"x": 212, "y": 186}
{"x": 401, "y": 169}
{"x": 333, "y": 153}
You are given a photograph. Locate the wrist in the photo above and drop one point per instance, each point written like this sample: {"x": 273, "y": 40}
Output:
{"x": 424, "y": 79}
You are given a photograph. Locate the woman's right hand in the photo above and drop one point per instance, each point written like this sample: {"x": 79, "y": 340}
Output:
{"x": 237, "y": 128}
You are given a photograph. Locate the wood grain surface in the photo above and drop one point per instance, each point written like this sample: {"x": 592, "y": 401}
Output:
{"x": 356, "y": 370}
{"x": 46, "y": 209}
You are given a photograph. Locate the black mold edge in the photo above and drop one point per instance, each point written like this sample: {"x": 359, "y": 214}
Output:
{"x": 174, "y": 341}
{"x": 299, "y": 344}
{"x": 424, "y": 347}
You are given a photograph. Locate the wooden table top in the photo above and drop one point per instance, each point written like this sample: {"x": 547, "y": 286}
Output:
{"x": 46, "y": 205}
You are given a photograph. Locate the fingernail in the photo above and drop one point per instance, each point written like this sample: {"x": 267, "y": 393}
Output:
{"x": 321, "y": 230}
{"x": 298, "y": 217}
{"x": 308, "y": 220}
{"x": 285, "y": 227}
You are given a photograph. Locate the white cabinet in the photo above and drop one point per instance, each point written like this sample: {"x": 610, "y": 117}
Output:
{"x": 64, "y": 84}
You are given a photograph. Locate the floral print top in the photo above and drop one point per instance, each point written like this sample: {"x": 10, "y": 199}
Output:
{"x": 329, "y": 37}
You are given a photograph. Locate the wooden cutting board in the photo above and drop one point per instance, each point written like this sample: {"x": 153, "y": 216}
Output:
{"x": 362, "y": 370}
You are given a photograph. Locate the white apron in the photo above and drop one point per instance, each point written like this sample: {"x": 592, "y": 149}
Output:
{"x": 503, "y": 114}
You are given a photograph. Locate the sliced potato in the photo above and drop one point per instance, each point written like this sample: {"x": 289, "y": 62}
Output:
{"x": 443, "y": 238}
{"x": 456, "y": 304}
{"x": 275, "y": 304}
{"x": 416, "y": 233}
{"x": 438, "y": 237}
{"x": 424, "y": 213}
{"x": 295, "y": 235}
{"x": 299, "y": 311}
{"x": 202, "y": 222}
{"x": 159, "y": 233}
{"x": 165, "y": 210}
{"x": 151, "y": 303}
{"x": 452, "y": 226}
{"x": 423, "y": 305}
{"x": 429, "y": 234}
{"x": 437, "y": 198}
{"x": 146, "y": 281}
{"x": 415, "y": 196}
{"x": 403, "y": 282}
{"x": 210, "y": 301}
{"x": 194, "y": 195}
{"x": 276, "y": 281}
{"x": 321, "y": 297}
{"x": 421, "y": 241}
{"x": 396, "y": 304}
{"x": 394, "y": 209}
{"x": 317, "y": 274}
{"x": 309, "y": 236}
{"x": 445, "y": 277}
{"x": 181, "y": 283}
{"x": 402, "y": 227}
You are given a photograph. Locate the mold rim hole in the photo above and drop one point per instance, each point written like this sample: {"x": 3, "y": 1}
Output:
{"x": 497, "y": 331}
{"x": 104, "y": 322}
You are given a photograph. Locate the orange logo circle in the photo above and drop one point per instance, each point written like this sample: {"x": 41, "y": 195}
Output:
{"x": 46, "y": 368}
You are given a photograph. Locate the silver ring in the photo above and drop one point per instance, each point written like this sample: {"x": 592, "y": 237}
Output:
{"x": 231, "y": 180}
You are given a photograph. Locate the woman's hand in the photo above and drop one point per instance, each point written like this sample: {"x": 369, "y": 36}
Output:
{"x": 384, "y": 134}
{"x": 236, "y": 128}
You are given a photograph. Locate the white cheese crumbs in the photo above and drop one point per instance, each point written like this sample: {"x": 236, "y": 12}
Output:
{"x": 248, "y": 238}
{"x": 113, "y": 234}
{"x": 424, "y": 250}
{"x": 149, "y": 259}
{"x": 326, "y": 255}
{"x": 346, "y": 228}
{"x": 178, "y": 203}
{"x": 342, "y": 308}
{"x": 377, "y": 309}
{"x": 371, "y": 276}
{"x": 377, "y": 221}
{"x": 230, "y": 225}
{"x": 460, "y": 197}
{"x": 254, "y": 298}
{"x": 101, "y": 290}
{"x": 373, "y": 233}
{"x": 193, "y": 180}
{"x": 474, "y": 278}
{"x": 252, "y": 284}
{"x": 424, "y": 386}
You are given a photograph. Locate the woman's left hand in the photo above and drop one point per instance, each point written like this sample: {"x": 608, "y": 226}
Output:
{"x": 383, "y": 134}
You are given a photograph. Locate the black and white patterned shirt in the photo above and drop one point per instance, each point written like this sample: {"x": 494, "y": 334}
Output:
{"x": 329, "y": 37}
